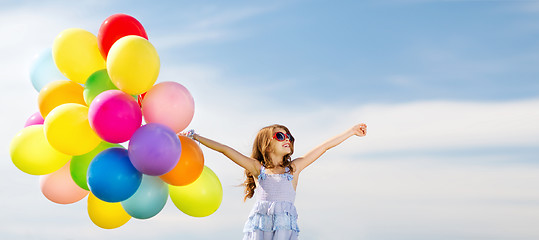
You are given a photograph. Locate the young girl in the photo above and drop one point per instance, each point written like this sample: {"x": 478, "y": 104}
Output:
{"x": 274, "y": 175}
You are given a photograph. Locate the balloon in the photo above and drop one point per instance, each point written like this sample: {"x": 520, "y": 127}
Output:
{"x": 189, "y": 166}
{"x": 133, "y": 64}
{"x": 97, "y": 83}
{"x": 115, "y": 116}
{"x": 115, "y": 27}
{"x": 31, "y": 152}
{"x": 154, "y": 149}
{"x": 149, "y": 200}
{"x": 79, "y": 164}
{"x": 58, "y": 187}
{"x": 67, "y": 129}
{"x": 76, "y": 54}
{"x": 112, "y": 177}
{"x": 140, "y": 97}
{"x": 201, "y": 198}
{"x": 106, "y": 215}
{"x": 57, "y": 93}
{"x": 43, "y": 70}
{"x": 34, "y": 119}
{"x": 169, "y": 103}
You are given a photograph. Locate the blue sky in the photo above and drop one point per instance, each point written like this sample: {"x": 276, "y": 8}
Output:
{"x": 449, "y": 90}
{"x": 422, "y": 50}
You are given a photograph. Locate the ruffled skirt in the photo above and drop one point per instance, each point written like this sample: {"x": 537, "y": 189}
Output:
{"x": 272, "y": 221}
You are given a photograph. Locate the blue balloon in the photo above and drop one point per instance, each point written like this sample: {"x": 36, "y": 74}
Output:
{"x": 44, "y": 70}
{"x": 112, "y": 177}
{"x": 149, "y": 200}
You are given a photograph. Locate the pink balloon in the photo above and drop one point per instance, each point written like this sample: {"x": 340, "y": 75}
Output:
{"x": 170, "y": 104}
{"x": 114, "y": 116}
{"x": 34, "y": 119}
{"x": 60, "y": 188}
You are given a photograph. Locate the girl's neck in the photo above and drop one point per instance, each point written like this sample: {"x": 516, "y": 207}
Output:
{"x": 276, "y": 160}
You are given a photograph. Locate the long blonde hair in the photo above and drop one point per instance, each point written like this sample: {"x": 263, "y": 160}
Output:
{"x": 261, "y": 151}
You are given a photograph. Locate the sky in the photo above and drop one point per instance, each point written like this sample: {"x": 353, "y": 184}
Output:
{"x": 449, "y": 91}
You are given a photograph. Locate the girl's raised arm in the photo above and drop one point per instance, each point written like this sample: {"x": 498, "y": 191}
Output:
{"x": 250, "y": 164}
{"x": 302, "y": 162}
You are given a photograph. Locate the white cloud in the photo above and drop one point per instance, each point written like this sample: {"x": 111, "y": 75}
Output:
{"x": 184, "y": 39}
{"x": 450, "y": 125}
{"x": 528, "y": 6}
{"x": 210, "y": 24}
{"x": 417, "y": 199}
{"x": 414, "y": 126}
{"x": 218, "y": 18}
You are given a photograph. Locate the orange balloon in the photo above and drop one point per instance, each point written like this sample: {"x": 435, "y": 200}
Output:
{"x": 57, "y": 93}
{"x": 189, "y": 167}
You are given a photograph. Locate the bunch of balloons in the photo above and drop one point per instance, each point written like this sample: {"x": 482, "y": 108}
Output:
{"x": 94, "y": 94}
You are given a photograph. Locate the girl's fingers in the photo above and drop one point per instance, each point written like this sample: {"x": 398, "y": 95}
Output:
{"x": 361, "y": 129}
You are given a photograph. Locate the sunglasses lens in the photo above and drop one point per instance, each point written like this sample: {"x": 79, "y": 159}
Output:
{"x": 280, "y": 136}
{"x": 290, "y": 137}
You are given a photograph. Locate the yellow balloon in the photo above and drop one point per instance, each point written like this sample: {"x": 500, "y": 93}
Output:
{"x": 67, "y": 129}
{"x": 76, "y": 54}
{"x": 133, "y": 64}
{"x": 32, "y": 154}
{"x": 57, "y": 93}
{"x": 200, "y": 198}
{"x": 106, "y": 215}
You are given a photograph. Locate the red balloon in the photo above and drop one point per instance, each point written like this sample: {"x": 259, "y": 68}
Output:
{"x": 140, "y": 98}
{"x": 115, "y": 27}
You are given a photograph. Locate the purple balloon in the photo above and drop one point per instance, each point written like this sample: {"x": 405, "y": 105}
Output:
{"x": 35, "y": 119}
{"x": 154, "y": 149}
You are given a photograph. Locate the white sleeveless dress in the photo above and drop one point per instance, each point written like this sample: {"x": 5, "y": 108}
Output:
{"x": 274, "y": 216}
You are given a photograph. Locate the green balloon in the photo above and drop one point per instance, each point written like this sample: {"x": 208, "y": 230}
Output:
{"x": 79, "y": 164}
{"x": 97, "y": 83}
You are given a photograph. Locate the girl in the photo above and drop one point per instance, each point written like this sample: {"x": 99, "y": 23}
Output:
{"x": 274, "y": 175}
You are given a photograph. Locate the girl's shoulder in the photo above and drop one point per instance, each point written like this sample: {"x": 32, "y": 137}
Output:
{"x": 258, "y": 168}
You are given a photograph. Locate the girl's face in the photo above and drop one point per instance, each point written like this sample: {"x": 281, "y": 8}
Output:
{"x": 281, "y": 146}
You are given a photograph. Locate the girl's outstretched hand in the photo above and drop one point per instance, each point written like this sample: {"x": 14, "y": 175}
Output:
{"x": 360, "y": 129}
{"x": 190, "y": 134}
